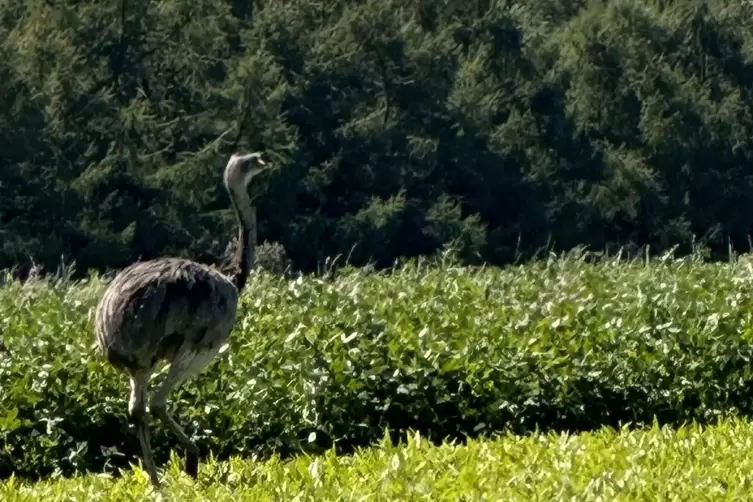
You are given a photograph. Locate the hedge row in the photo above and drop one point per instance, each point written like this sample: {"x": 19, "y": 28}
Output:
{"x": 317, "y": 363}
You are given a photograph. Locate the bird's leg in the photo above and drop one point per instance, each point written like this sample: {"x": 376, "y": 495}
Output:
{"x": 186, "y": 364}
{"x": 138, "y": 415}
{"x": 192, "y": 451}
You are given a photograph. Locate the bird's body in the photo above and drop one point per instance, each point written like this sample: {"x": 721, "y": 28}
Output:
{"x": 175, "y": 310}
{"x": 154, "y": 309}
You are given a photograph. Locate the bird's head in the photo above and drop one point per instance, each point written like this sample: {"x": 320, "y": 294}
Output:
{"x": 241, "y": 169}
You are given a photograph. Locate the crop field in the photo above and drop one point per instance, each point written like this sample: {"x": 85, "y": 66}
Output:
{"x": 656, "y": 464}
{"x": 354, "y": 386}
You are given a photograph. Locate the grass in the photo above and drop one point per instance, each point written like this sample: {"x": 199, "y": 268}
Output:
{"x": 689, "y": 463}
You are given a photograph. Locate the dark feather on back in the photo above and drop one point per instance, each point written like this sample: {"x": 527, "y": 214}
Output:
{"x": 157, "y": 306}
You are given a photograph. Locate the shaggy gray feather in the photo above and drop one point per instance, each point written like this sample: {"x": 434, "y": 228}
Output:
{"x": 153, "y": 308}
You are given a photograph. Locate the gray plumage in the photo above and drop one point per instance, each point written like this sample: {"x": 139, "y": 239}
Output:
{"x": 176, "y": 310}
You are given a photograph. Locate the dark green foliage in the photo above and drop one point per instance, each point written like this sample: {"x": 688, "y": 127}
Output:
{"x": 399, "y": 127}
{"x": 328, "y": 362}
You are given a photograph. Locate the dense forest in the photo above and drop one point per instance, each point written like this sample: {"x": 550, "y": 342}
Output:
{"x": 398, "y": 127}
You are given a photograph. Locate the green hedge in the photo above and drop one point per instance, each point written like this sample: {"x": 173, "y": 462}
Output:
{"x": 317, "y": 363}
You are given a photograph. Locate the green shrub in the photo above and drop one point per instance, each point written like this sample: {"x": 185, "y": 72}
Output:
{"x": 452, "y": 352}
{"x": 272, "y": 257}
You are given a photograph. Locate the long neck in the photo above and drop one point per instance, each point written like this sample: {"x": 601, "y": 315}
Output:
{"x": 244, "y": 255}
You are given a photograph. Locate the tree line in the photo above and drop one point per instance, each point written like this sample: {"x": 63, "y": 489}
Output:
{"x": 400, "y": 127}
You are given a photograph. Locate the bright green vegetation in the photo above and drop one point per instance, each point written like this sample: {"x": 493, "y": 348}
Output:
{"x": 691, "y": 463}
{"x": 448, "y": 351}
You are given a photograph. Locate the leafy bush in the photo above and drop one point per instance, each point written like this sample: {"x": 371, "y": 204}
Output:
{"x": 449, "y": 351}
{"x": 272, "y": 257}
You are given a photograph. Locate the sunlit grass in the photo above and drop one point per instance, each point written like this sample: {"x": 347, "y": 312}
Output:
{"x": 690, "y": 463}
